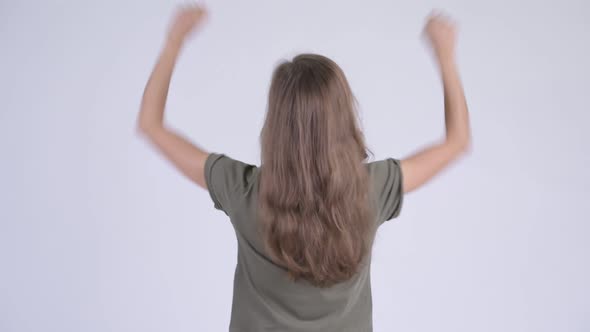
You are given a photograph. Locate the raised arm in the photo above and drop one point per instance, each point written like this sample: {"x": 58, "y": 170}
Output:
{"x": 186, "y": 157}
{"x": 420, "y": 167}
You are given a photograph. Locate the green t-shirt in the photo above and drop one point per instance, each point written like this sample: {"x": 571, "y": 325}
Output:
{"x": 264, "y": 299}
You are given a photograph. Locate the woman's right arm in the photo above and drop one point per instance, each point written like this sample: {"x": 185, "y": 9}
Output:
{"x": 420, "y": 167}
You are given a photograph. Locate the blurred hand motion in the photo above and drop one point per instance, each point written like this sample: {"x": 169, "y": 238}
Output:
{"x": 187, "y": 20}
{"x": 441, "y": 33}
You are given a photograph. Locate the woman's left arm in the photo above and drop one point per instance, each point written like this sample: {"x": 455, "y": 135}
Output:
{"x": 186, "y": 157}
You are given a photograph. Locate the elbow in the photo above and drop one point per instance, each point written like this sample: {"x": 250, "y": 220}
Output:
{"x": 465, "y": 145}
{"x": 145, "y": 127}
{"x": 461, "y": 145}
{"x": 141, "y": 128}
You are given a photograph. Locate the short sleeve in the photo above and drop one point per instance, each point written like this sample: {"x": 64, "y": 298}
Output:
{"x": 227, "y": 180}
{"x": 388, "y": 179}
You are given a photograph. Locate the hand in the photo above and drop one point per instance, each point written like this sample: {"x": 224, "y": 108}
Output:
{"x": 441, "y": 34}
{"x": 186, "y": 20}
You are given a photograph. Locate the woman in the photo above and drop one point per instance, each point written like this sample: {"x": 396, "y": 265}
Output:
{"x": 305, "y": 219}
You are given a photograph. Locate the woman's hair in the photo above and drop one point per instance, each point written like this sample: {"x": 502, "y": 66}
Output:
{"x": 314, "y": 206}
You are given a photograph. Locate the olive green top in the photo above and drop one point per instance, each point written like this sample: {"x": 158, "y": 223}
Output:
{"x": 264, "y": 299}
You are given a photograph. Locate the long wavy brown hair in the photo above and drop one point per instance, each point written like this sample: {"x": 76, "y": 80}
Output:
{"x": 315, "y": 213}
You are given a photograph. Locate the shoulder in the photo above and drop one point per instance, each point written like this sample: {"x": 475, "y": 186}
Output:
{"x": 231, "y": 169}
{"x": 383, "y": 169}
{"x": 386, "y": 179}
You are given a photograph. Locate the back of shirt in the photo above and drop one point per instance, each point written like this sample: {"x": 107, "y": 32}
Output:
{"x": 264, "y": 299}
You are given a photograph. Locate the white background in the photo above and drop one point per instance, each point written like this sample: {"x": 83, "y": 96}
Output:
{"x": 100, "y": 233}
